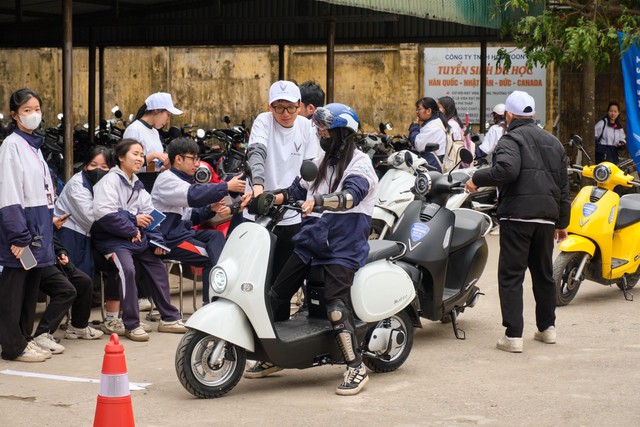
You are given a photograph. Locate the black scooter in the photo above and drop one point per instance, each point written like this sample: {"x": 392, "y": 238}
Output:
{"x": 446, "y": 249}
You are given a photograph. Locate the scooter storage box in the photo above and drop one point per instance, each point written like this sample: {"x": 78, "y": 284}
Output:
{"x": 381, "y": 289}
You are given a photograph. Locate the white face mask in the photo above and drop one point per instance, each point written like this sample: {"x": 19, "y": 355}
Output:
{"x": 31, "y": 121}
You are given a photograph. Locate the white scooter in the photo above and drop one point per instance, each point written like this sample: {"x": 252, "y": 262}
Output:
{"x": 394, "y": 192}
{"x": 238, "y": 323}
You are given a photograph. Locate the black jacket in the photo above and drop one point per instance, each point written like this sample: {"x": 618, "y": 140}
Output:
{"x": 531, "y": 172}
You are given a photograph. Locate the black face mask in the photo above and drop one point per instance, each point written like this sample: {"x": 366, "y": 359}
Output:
{"x": 325, "y": 144}
{"x": 95, "y": 175}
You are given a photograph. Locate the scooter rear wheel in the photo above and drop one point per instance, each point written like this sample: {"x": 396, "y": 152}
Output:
{"x": 564, "y": 275}
{"x": 391, "y": 359}
{"x": 203, "y": 374}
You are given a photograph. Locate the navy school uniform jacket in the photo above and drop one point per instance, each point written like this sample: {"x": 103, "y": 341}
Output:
{"x": 116, "y": 203}
{"x": 184, "y": 203}
{"x": 26, "y": 212}
{"x": 339, "y": 237}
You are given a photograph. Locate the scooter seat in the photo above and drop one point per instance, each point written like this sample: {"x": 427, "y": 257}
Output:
{"x": 468, "y": 227}
{"x": 629, "y": 212}
{"x": 383, "y": 249}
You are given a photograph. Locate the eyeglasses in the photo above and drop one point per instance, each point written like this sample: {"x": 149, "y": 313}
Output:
{"x": 195, "y": 159}
{"x": 279, "y": 109}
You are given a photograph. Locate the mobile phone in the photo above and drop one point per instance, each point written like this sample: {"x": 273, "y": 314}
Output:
{"x": 27, "y": 259}
{"x": 64, "y": 217}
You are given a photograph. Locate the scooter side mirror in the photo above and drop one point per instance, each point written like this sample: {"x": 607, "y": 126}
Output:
{"x": 575, "y": 139}
{"x": 408, "y": 159}
{"x": 466, "y": 156}
{"x": 308, "y": 171}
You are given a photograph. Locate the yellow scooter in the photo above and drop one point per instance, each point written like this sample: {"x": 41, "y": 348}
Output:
{"x": 604, "y": 234}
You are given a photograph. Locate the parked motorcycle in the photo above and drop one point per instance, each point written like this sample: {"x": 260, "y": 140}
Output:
{"x": 603, "y": 244}
{"x": 226, "y": 148}
{"x": 238, "y": 323}
{"x": 394, "y": 191}
{"x": 447, "y": 249}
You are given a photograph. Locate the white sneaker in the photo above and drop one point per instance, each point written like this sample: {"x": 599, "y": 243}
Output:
{"x": 138, "y": 334}
{"x": 87, "y": 333}
{"x": 31, "y": 353}
{"x": 113, "y": 326}
{"x": 46, "y": 341}
{"x": 175, "y": 326}
{"x": 144, "y": 304}
{"x": 512, "y": 345}
{"x": 548, "y": 336}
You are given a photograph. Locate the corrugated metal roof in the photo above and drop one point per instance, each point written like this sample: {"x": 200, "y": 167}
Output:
{"x": 468, "y": 12}
{"x": 205, "y": 22}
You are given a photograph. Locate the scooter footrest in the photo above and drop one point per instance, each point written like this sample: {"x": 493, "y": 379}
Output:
{"x": 301, "y": 327}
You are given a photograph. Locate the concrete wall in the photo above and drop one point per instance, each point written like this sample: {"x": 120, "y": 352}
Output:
{"x": 381, "y": 82}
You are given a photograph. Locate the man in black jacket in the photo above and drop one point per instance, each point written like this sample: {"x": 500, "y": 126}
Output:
{"x": 534, "y": 207}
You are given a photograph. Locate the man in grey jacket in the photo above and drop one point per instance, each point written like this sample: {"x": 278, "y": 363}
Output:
{"x": 534, "y": 207}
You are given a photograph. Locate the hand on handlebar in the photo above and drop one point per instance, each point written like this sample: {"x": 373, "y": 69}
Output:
{"x": 470, "y": 187}
{"x": 307, "y": 207}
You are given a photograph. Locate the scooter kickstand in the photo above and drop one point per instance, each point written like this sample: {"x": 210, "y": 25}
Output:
{"x": 627, "y": 295}
{"x": 459, "y": 333}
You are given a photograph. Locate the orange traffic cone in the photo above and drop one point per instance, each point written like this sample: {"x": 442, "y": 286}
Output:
{"x": 114, "y": 398}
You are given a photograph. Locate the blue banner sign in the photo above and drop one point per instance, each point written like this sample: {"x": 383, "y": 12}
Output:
{"x": 631, "y": 75}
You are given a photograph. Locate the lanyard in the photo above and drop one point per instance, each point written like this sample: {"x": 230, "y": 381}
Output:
{"x": 40, "y": 160}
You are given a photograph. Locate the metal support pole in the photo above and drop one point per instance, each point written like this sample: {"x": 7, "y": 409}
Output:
{"x": 92, "y": 88}
{"x": 331, "y": 42}
{"x": 101, "y": 116}
{"x": 483, "y": 85}
{"x": 280, "y": 62}
{"x": 67, "y": 85}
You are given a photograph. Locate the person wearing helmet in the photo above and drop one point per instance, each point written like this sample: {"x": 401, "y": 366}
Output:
{"x": 338, "y": 241}
{"x": 497, "y": 129}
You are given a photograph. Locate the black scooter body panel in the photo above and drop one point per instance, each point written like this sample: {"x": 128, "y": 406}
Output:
{"x": 439, "y": 268}
{"x": 303, "y": 342}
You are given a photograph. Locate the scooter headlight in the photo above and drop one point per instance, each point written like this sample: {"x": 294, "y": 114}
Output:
{"x": 423, "y": 183}
{"x": 601, "y": 173}
{"x": 218, "y": 280}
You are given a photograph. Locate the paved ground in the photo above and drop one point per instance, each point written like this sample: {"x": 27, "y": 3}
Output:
{"x": 589, "y": 378}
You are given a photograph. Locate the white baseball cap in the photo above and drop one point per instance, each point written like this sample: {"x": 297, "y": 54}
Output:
{"x": 161, "y": 101}
{"x": 520, "y": 103}
{"x": 284, "y": 90}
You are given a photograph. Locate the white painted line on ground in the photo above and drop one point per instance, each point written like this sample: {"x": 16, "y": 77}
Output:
{"x": 132, "y": 386}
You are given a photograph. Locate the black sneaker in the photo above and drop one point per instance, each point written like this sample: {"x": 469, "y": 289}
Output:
{"x": 261, "y": 369}
{"x": 354, "y": 381}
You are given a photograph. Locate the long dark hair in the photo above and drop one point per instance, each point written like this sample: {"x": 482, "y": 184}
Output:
{"x": 450, "y": 110}
{"x": 98, "y": 150}
{"x": 123, "y": 147}
{"x": 18, "y": 99}
{"x": 430, "y": 103}
{"x": 339, "y": 156}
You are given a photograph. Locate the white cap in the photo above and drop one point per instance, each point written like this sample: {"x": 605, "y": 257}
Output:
{"x": 161, "y": 101}
{"x": 285, "y": 90}
{"x": 520, "y": 103}
{"x": 499, "y": 109}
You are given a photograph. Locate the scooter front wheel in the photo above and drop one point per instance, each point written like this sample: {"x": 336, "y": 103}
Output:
{"x": 207, "y": 366}
{"x": 399, "y": 346}
{"x": 565, "y": 268}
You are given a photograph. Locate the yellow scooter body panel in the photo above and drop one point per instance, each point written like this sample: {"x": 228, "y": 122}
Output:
{"x": 575, "y": 243}
{"x": 625, "y": 253}
{"x": 596, "y": 221}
